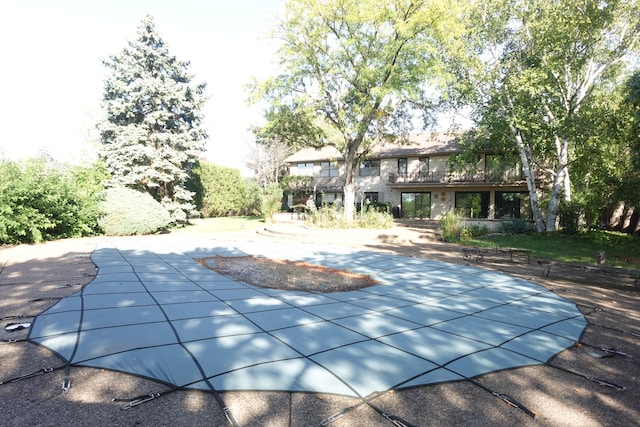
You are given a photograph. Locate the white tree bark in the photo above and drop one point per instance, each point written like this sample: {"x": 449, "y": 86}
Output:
{"x": 560, "y": 182}
{"x": 526, "y": 157}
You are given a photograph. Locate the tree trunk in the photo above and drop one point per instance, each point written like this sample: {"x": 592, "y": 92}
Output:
{"x": 615, "y": 219}
{"x": 634, "y": 226}
{"x": 554, "y": 201}
{"x": 349, "y": 188}
{"x": 561, "y": 183}
{"x": 349, "y": 202}
{"x": 567, "y": 185}
{"x": 627, "y": 220}
{"x": 527, "y": 168}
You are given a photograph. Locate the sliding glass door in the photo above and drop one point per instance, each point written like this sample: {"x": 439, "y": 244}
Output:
{"x": 416, "y": 205}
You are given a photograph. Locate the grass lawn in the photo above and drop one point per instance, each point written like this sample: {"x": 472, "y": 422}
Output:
{"x": 621, "y": 250}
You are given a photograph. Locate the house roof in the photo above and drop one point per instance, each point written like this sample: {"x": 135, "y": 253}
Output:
{"x": 310, "y": 154}
{"x": 421, "y": 144}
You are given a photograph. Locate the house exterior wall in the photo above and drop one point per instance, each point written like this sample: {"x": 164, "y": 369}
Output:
{"x": 437, "y": 183}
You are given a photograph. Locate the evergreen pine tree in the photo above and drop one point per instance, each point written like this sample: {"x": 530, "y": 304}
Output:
{"x": 151, "y": 134}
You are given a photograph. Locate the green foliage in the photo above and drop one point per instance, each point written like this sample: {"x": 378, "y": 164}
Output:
{"x": 530, "y": 70}
{"x": 451, "y": 227}
{"x": 352, "y": 71}
{"x": 605, "y": 158}
{"x": 40, "y": 200}
{"x": 632, "y": 98}
{"x": 295, "y": 125}
{"x": 298, "y": 187}
{"x": 221, "y": 191}
{"x": 621, "y": 249}
{"x": 271, "y": 201}
{"x": 253, "y": 199}
{"x": 515, "y": 226}
{"x": 329, "y": 216}
{"x": 152, "y": 135}
{"x": 374, "y": 207}
{"x": 128, "y": 212}
{"x": 571, "y": 213}
{"x": 296, "y": 182}
{"x": 467, "y": 233}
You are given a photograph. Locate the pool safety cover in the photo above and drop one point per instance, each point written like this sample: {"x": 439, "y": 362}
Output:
{"x": 153, "y": 311}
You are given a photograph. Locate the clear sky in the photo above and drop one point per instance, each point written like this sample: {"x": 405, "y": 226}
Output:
{"x": 51, "y": 71}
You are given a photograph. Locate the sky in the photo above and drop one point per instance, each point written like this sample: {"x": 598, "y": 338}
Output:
{"x": 52, "y": 75}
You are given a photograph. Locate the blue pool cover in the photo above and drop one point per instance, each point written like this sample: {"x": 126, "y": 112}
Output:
{"x": 153, "y": 311}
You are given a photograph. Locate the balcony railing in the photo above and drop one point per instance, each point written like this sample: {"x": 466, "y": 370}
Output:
{"x": 461, "y": 177}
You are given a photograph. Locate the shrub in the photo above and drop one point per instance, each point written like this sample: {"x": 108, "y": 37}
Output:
{"x": 329, "y": 216}
{"x": 42, "y": 200}
{"x": 220, "y": 191}
{"x": 570, "y": 214}
{"x": 374, "y": 219}
{"x": 467, "y": 233}
{"x": 375, "y": 206}
{"x": 271, "y": 201}
{"x": 254, "y": 197}
{"x": 129, "y": 212}
{"x": 515, "y": 226}
{"x": 451, "y": 227}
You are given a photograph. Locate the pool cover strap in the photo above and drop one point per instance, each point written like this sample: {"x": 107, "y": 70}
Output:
{"x": 396, "y": 421}
{"x": 505, "y": 398}
{"x": 138, "y": 400}
{"x": 31, "y": 375}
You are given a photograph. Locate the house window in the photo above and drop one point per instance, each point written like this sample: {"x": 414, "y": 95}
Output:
{"x": 512, "y": 205}
{"x": 305, "y": 169}
{"x": 402, "y": 167}
{"x": 424, "y": 166}
{"x": 501, "y": 169}
{"x": 415, "y": 205}
{"x": 473, "y": 204}
{"x": 371, "y": 197}
{"x": 370, "y": 168}
{"x": 329, "y": 169}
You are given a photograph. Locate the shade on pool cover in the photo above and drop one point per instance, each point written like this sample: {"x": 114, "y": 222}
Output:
{"x": 153, "y": 311}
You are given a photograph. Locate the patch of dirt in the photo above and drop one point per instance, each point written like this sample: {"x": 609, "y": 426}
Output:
{"x": 285, "y": 274}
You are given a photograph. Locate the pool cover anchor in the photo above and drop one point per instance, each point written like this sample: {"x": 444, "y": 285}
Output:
{"x": 139, "y": 400}
{"x": 590, "y": 378}
{"x": 505, "y": 398}
{"x": 400, "y": 423}
{"x": 395, "y": 420}
{"x": 368, "y": 399}
{"x": 609, "y": 351}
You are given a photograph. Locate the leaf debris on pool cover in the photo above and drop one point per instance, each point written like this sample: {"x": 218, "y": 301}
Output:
{"x": 286, "y": 274}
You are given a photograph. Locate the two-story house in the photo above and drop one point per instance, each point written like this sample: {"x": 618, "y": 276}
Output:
{"x": 417, "y": 179}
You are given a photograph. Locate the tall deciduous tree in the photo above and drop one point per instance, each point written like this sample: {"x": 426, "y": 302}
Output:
{"x": 266, "y": 160}
{"x": 352, "y": 73}
{"x": 152, "y": 135}
{"x": 531, "y": 66}
{"x": 632, "y": 89}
